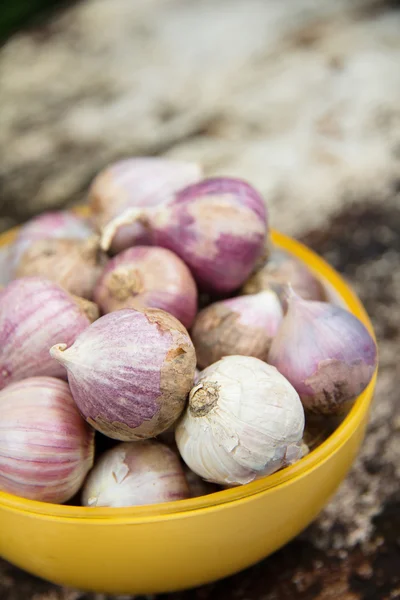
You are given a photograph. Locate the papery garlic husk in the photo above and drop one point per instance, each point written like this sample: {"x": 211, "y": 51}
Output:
{"x": 136, "y": 182}
{"x": 34, "y": 314}
{"x": 136, "y": 473}
{"x": 46, "y": 448}
{"x": 130, "y": 372}
{"x": 244, "y": 421}
{"x": 148, "y": 277}
{"x": 218, "y": 227}
{"x": 325, "y": 352}
{"x": 53, "y": 224}
{"x": 89, "y": 308}
{"x": 245, "y": 325}
{"x": 281, "y": 268}
{"x": 74, "y": 264}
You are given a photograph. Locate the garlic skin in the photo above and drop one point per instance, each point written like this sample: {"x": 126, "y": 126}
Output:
{"x": 53, "y": 224}
{"x": 244, "y": 421}
{"x": 148, "y": 277}
{"x": 136, "y": 182}
{"x": 134, "y": 474}
{"x": 74, "y": 264}
{"x": 34, "y": 314}
{"x": 130, "y": 372}
{"x": 325, "y": 352}
{"x": 90, "y": 309}
{"x": 218, "y": 227}
{"x": 46, "y": 448}
{"x": 245, "y": 325}
{"x": 281, "y": 268}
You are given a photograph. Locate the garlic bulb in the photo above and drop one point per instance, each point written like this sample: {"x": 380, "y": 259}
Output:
{"x": 148, "y": 277}
{"x": 73, "y": 264}
{"x": 34, "y": 314}
{"x": 130, "y": 372}
{"x": 325, "y": 352}
{"x": 245, "y": 325}
{"x": 136, "y": 473}
{"x": 279, "y": 269}
{"x": 244, "y": 420}
{"x": 218, "y": 227}
{"x": 54, "y": 224}
{"x": 136, "y": 182}
{"x": 46, "y": 448}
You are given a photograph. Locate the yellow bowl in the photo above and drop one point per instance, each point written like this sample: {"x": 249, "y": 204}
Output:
{"x": 177, "y": 545}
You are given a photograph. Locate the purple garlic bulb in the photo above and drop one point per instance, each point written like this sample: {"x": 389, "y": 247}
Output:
{"x": 136, "y": 182}
{"x": 218, "y": 227}
{"x": 60, "y": 224}
{"x": 325, "y": 352}
{"x": 34, "y": 314}
{"x": 74, "y": 264}
{"x": 130, "y": 372}
{"x": 148, "y": 277}
{"x": 281, "y": 268}
{"x": 245, "y": 325}
{"x": 46, "y": 448}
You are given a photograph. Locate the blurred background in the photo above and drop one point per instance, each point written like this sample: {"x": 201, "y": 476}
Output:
{"x": 301, "y": 98}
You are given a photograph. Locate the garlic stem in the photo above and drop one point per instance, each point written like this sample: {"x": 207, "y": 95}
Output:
{"x": 57, "y": 352}
{"x": 202, "y": 398}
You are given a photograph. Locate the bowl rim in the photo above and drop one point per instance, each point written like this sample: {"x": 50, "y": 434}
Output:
{"x": 217, "y": 500}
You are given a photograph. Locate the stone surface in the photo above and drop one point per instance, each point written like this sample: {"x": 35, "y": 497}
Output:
{"x": 303, "y": 99}
{"x": 300, "y": 97}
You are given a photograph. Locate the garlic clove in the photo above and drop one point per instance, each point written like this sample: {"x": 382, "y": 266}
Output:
{"x": 244, "y": 420}
{"x": 279, "y": 269}
{"x": 46, "y": 448}
{"x": 148, "y": 277}
{"x": 34, "y": 314}
{"x": 325, "y": 352}
{"x": 130, "y": 372}
{"x": 132, "y": 474}
{"x": 73, "y": 264}
{"x": 54, "y": 224}
{"x": 245, "y": 325}
{"x": 218, "y": 227}
{"x": 136, "y": 182}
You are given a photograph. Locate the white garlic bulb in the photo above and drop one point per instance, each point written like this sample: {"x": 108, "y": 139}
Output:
{"x": 244, "y": 420}
{"x": 136, "y": 473}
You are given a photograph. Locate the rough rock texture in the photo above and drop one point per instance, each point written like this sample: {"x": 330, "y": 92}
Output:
{"x": 302, "y": 98}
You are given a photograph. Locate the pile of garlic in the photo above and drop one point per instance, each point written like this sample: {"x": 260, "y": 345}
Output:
{"x": 111, "y": 410}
